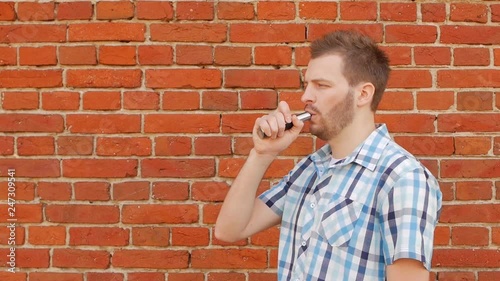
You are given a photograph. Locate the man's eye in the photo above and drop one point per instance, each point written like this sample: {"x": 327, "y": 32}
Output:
{"x": 322, "y": 85}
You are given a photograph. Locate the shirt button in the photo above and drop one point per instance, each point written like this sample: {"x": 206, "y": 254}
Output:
{"x": 304, "y": 243}
{"x": 313, "y": 205}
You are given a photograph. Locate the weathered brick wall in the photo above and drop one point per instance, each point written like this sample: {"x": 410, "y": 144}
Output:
{"x": 125, "y": 123}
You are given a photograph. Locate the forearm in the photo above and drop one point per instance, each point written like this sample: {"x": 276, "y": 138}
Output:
{"x": 236, "y": 212}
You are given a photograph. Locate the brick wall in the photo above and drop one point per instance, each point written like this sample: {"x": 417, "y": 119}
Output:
{"x": 126, "y": 122}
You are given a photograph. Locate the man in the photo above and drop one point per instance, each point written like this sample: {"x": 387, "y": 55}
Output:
{"x": 359, "y": 208}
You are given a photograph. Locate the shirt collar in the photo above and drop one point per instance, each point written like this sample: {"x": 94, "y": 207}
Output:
{"x": 366, "y": 154}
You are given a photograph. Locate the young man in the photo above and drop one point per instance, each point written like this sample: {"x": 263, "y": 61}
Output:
{"x": 359, "y": 208}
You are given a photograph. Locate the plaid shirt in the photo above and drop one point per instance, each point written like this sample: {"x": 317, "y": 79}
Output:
{"x": 349, "y": 220}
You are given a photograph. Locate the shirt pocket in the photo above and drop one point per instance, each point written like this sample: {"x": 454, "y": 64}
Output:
{"x": 339, "y": 220}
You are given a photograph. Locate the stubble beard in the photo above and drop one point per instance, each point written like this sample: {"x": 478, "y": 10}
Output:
{"x": 335, "y": 120}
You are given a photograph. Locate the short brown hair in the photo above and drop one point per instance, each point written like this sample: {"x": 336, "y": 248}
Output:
{"x": 363, "y": 60}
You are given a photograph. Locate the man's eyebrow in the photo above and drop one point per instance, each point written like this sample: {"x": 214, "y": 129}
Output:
{"x": 317, "y": 80}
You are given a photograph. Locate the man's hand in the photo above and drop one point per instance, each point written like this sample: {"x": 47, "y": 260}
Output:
{"x": 273, "y": 126}
{"x": 408, "y": 270}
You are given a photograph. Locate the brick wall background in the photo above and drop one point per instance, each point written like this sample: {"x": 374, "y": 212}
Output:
{"x": 127, "y": 121}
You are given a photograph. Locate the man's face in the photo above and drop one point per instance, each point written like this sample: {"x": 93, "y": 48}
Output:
{"x": 328, "y": 97}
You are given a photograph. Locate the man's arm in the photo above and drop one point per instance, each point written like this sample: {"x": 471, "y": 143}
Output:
{"x": 408, "y": 270}
{"x": 242, "y": 215}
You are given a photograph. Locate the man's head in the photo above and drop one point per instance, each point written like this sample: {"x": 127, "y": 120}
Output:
{"x": 362, "y": 60}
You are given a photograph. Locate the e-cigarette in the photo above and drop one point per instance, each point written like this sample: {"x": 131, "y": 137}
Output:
{"x": 304, "y": 116}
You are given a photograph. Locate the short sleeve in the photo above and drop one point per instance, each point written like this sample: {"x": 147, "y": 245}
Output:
{"x": 408, "y": 217}
{"x": 274, "y": 198}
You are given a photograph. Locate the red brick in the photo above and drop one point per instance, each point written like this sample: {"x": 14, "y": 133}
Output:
{"x": 194, "y": 55}
{"x": 184, "y": 168}
{"x": 81, "y": 10}
{"x": 471, "y": 56}
{"x": 462, "y": 258}
{"x": 470, "y": 168}
{"x": 318, "y": 10}
{"x": 20, "y": 100}
{"x": 463, "y": 34}
{"x": 238, "y": 123}
{"x": 373, "y": 30}
{"x": 27, "y": 258}
{"x": 433, "y": 12}
{"x": 209, "y": 191}
{"x": 55, "y": 276}
{"x": 396, "y": 101}
{"x": 475, "y": 101}
{"x": 99, "y": 168}
{"x": 117, "y": 55}
{"x": 34, "y": 11}
{"x": 468, "y": 122}
{"x": 82, "y": 214}
{"x": 488, "y": 275}
{"x": 431, "y": 100}
{"x": 6, "y": 145}
{"x": 432, "y": 56}
{"x": 230, "y": 167}
{"x": 92, "y": 191}
{"x": 190, "y": 236}
{"x": 172, "y": 146}
{"x": 31, "y": 123}
{"x": 7, "y": 237}
{"x": 54, "y": 191}
{"x": 35, "y": 168}
{"x": 25, "y": 213}
{"x": 103, "y": 276}
{"x": 32, "y": 33}
{"x": 472, "y": 145}
{"x": 195, "y": 10}
{"x": 410, "y": 79}
{"x": 219, "y": 145}
{"x": 398, "y": 55}
{"x": 475, "y": 190}
{"x": 468, "y": 12}
{"x": 183, "y": 78}
{"x": 138, "y": 100}
{"x": 228, "y": 55}
{"x": 112, "y": 10}
{"x": 229, "y": 258}
{"x": 177, "y": 100}
{"x": 408, "y": 123}
{"x": 74, "y": 145}
{"x": 486, "y": 213}
{"x": 119, "y": 146}
{"x": 210, "y": 213}
{"x": 155, "y": 259}
{"x": 150, "y": 276}
{"x": 410, "y": 34}
{"x": 219, "y": 100}
{"x": 154, "y": 10}
{"x": 103, "y": 78}
{"x": 23, "y": 78}
{"x": 182, "y": 123}
{"x": 131, "y": 190}
{"x": 235, "y": 11}
{"x": 246, "y": 78}
{"x": 426, "y": 145}
{"x": 495, "y": 235}
{"x": 230, "y": 276}
{"x": 157, "y": 214}
{"x": 302, "y": 56}
{"x": 302, "y": 146}
{"x": 280, "y": 55}
{"x": 98, "y": 236}
{"x": 24, "y": 190}
{"x": 442, "y": 235}
{"x": 259, "y": 99}
{"x": 103, "y": 123}
{"x": 7, "y": 11}
{"x": 8, "y": 55}
{"x": 363, "y": 10}
{"x": 266, "y": 33}
{"x": 495, "y": 12}
{"x": 452, "y": 276}
{"x": 273, "y": 10}
{"x": 155, "y": 55}
{"x": 406, "y": 12}
{"x": 110, "y": 31}
{"x": 269, "y": 237}
{"x": 102, "y": 100}
{"x": 47, "y": 235}
{"x": 77, "y": 55}
{"x": 151, "y": 236}
{"x": 472, "y": 236}
{"x": 188, "y": 32}
{"x": 174, "y": 191}
{"x": 76, "y": 258}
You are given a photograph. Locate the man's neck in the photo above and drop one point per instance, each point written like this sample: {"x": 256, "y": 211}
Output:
{"x": 351, "y": 136}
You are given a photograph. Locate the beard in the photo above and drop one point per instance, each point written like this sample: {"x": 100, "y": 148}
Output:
{"x": 335, "y": 120}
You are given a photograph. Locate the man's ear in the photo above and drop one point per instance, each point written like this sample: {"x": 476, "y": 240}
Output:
{"x": 365, "y": 94}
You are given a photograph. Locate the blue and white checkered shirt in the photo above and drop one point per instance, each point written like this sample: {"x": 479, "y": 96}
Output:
{"x": 348, "y": 220}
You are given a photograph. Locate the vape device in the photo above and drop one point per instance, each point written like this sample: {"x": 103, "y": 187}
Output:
{"x": 304, "y": 116}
